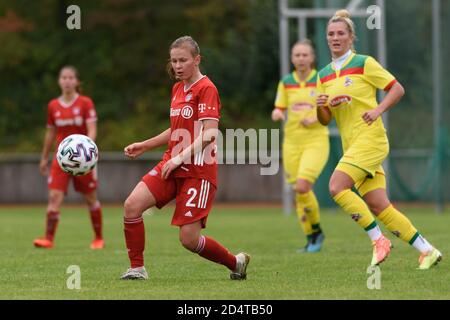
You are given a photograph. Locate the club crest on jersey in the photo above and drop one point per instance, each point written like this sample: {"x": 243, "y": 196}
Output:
{"x": 341, "y": 99}
{"x": 76, "y": 110}
{"x": 187, "y": 112}
{"x": 312, "y": 93}
{"x": 188, "y": 97}
{"x": 348, "y": 82}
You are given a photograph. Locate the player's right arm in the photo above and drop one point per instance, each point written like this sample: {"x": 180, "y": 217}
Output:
{"x": 323, "y": 111}
{"x": 134, "y": 150}
{"x": 50, "y": 136}
{"x": 278, "y": 112}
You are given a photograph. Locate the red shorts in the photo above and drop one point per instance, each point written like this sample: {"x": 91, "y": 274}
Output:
{"x": 194, "y": 196}
{"x": 59, "y": 180}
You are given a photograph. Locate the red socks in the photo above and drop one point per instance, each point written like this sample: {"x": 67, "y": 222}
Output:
{"x": 135, "y": 239}
{"x": 210, "y": 249}
{"x": 52, "y": 223}
{"x": 207, "y": 247}
{"x": 96, "y": 219}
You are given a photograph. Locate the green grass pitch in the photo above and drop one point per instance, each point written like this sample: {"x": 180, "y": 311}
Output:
{"x": 276, "y": 271}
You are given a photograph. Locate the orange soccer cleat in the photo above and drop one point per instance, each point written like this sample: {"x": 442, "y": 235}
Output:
{"x": 97, "y": 244}
{"x": 43, "y": 243}
{"x": 381, "y": 249}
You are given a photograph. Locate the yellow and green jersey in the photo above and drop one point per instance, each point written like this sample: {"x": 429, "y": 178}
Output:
{"x": 299, "y": 99}
{"x": 352, "y": 92}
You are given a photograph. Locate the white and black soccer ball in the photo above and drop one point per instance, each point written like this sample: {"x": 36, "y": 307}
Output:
{"x": 77, "y": 155}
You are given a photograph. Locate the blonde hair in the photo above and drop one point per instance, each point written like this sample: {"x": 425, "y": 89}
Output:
{"x": 187, "y": 41}
{"x": 344, "y": 16}
{"x": 309, "y": 43}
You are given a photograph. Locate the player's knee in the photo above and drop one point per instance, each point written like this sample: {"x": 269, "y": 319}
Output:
{"x": 188, "y": 241}
{"x": 91, "y": 200}
{"x": 54, "y": 200}
{"x": 302, "y": 186}
{"x": 376, "y": 207}
{"x": 132, "y": 208}
{"x": 334, "y": 188}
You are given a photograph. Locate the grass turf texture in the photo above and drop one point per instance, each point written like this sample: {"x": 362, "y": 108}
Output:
{"x": 275, "y": 272}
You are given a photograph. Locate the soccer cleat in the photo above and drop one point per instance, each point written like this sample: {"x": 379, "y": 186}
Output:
{"x": 43, "y": 243}
{"x": 316, "y": 242}
{"x": 242, "y": 261}
{"x": 97, "y": 244}
{"x": 429, "y": 259}
{"x": 303, "y": 249}
{"x": 381, "y": 249}
{"x": 135, "y": 274}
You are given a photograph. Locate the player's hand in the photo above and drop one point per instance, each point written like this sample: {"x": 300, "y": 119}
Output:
{"x": 308, "y": 121}
{"x": 277, "y": 115}
{"x": 134, "y": 150}
{"x": 322, "y": 100}
{"x": 370, "y": 116}
{"x": 43, "y": 167}
{"x": 169, "y": 166}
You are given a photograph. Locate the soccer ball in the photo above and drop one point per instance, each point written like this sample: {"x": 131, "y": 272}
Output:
{"x": 77, "y": 154}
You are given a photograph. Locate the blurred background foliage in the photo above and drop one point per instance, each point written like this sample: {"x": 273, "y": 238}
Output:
{"x": 122, "y": 51}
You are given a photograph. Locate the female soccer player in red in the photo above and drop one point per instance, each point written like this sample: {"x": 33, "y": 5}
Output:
{"x": 71, "y": 113}
{"x": 188, "y": 170}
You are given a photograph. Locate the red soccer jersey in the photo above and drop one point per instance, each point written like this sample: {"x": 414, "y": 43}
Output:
{"x": 70, "y": 118}
{"x": 190, "y": 105}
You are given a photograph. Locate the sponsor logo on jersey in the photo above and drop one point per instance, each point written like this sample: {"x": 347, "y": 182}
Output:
{"x": 153, "y": 173}
{"x": 302, "y": 106}
{"x": 201, "y": 107}
{"x": 348, "y": 82}
{"x": 76, "y": 110}
{"x": 77, "y": 121}
{"x": 338, "y": 100}
{"x": 174, "y": 112}
{"x": 188, "y": 214}
{"x": 188, "y": 97}
{"x": 312, "y": 93}
{"x": 187, "y": 112}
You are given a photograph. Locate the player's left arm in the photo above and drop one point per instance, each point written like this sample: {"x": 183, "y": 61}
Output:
{"x": 391, "y": 99}
{"x": 382, "y": 79}
{"x": 92, "y": 129}
{"x": 90, "y": 116}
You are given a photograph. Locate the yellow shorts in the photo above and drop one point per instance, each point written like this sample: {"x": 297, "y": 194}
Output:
{"x": 367, "y": 155}
{"x": 305, "y": 161}
{"x": 363, "y": 182}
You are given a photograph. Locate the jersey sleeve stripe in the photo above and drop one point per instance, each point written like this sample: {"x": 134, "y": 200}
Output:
{"x": 389, "y": 86}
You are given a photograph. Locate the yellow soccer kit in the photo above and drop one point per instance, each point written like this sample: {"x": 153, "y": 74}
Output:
{"x": 352, "y": 92}
{"x": 305, "y": 148}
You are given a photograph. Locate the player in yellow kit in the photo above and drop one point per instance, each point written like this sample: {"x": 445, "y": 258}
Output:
{"x": 347, "y": 91}
{"x": 306, "y": 144}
